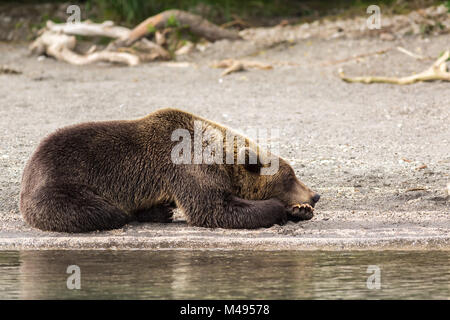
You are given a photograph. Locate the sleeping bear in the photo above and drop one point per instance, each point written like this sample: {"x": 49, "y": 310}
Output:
{"x": 102, "y": 175}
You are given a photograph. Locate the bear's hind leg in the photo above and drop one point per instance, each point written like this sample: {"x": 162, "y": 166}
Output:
{"x": 70, "y": 208}
{"x": 160, "y": 213}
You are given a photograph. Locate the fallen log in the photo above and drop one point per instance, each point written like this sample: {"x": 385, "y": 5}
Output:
{"x": 61, "y": 46}
{"x": 438, "y": 71}
{"x": 197, "y": 25}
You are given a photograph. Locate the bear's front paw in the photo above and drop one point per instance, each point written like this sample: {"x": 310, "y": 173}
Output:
{"x": 301, "y": 212}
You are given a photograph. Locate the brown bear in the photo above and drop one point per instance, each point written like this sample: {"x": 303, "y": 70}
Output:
{"x": 102, "y": 175}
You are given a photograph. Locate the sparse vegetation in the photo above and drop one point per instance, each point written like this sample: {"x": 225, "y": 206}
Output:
{"x": 258, "y": 12}
{"x": 447, "y": 4}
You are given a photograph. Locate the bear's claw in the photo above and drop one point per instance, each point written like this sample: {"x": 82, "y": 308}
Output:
{"x": 304, "y": 205}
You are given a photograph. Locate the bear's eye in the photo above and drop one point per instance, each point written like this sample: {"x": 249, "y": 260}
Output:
{"x": 289, "y": 183}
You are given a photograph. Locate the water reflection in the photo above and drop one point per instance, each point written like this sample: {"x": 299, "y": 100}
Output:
{"x": 223, "y": 274}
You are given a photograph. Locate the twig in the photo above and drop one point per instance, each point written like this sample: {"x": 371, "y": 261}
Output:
{"x": 237, "y": 21}
{"x": 233, "y": 65}
{"x": 415, "y": 189}
{"x": 411, "y": 54}
{"x": 363, "y": 55}
{"x": 438, "y": 71}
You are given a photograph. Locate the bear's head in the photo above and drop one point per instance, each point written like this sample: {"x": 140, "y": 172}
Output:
{"x": 280, "y": 183}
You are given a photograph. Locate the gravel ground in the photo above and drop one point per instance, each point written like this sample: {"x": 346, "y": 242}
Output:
{"x": 378, "y": 154}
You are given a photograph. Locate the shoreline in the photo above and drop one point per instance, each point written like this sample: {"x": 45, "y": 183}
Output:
{"x": 328, "y": 230}
{"x": 309, "y": 244}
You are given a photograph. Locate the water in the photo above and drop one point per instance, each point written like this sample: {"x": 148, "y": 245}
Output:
{"x": 224, "y": 274}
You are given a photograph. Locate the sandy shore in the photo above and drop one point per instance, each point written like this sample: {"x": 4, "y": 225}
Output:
{"x": 329, "y": 230}
{"x": 378, "y": 154}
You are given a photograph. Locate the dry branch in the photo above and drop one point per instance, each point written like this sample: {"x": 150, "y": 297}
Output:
{"x": 196, "y": 24}
{"x": 359, "y": 56}
{"x": 411, "y": 54}
{"x": 147, "y": 50}
{"x": 236, "y": 22}
{"x": 89, "y": 29}
{"x": 8, "y": 70}
{"x": 61, "y": 46}
{"x": 233, "y": 65}
{"x": 438, "y": 71}
{"x": 108, "y": 56}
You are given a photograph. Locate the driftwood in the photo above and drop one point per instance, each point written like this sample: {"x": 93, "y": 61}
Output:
{"x": 438, "y": 71}
{"x": 89, "y": 29}
{"x": 197, "y": 25}
{"x": 233, "y": 65}
{"x": 8, "y": 70}
{"x": 130, "y": 47}
{"x": 147, "y": 50}
{"x": 61, "y": 46}
{"x": 58, "y": 41}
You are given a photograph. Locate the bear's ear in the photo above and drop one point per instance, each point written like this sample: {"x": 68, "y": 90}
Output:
{"x": 249, "y": 159}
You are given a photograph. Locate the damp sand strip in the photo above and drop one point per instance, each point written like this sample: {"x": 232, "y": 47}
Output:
{"x": 342, "y": 230}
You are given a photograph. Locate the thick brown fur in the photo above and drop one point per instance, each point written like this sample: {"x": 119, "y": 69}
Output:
{"x": 102, "y": 175}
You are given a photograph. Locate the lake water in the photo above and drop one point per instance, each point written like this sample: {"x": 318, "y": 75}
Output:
{"x": 177, "y": 274}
